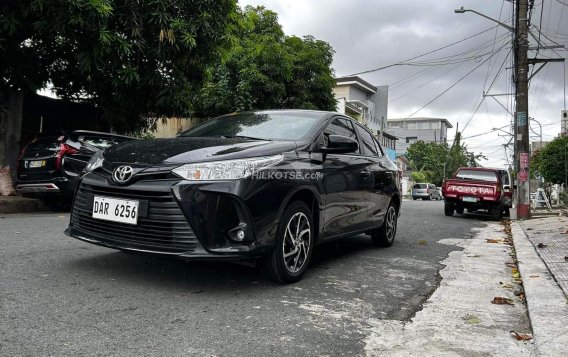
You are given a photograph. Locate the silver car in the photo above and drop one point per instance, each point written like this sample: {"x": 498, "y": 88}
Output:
{"x": 425, "y": 191}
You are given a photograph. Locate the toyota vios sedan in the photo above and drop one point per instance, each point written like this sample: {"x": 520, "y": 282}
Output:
{"x": 267, "y": 185}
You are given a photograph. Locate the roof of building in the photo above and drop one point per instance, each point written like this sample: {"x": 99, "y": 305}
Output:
{"x": 421, "y": 119}
{"x": 356, "y": 82}
{"x": 390, "y": 136}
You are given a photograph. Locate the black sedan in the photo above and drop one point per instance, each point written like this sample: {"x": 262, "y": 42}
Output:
{"x": 265, "y": 185}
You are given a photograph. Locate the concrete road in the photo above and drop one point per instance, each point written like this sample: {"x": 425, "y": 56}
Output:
{"x": 60, "y": 296}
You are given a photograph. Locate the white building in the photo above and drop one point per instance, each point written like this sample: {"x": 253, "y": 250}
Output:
{"x": 362, "y": 101}
{"x": 411, "y": 130}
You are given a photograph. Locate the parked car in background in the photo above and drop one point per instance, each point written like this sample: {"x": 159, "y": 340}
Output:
{"x": 425, "y": 191}
{"x": 477, "y": 188}
{"x": 265, "y": 186}
{"x": 49, "y": 166}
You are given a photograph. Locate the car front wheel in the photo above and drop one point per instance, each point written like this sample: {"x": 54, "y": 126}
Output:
{"x": 384, "y": 236}
{"x": 294, "y": 245}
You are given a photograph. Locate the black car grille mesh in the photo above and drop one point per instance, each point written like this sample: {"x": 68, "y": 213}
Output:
{"x": 163, "y": 229}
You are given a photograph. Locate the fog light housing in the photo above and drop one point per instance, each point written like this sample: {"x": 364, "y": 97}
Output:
{"x": 238, "y": 234}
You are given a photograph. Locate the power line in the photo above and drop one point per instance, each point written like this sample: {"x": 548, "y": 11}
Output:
{"x": 458, "y": 81}
{"x": 424, "y": 54}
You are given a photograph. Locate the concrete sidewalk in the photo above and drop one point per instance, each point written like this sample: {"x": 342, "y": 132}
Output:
{"x": 541, "y": 245}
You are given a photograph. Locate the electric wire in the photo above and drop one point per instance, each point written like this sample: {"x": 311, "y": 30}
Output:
{"x": 424, "y": 54}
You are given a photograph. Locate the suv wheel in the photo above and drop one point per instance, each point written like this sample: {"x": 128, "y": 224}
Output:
{"x": 294, "y": 245}
{"x": 384, "y": 236}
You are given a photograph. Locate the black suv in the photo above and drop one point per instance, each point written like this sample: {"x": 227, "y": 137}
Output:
{"x": 48, "y": 166}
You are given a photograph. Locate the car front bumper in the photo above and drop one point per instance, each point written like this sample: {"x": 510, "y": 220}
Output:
{"x": 184, "y": 219}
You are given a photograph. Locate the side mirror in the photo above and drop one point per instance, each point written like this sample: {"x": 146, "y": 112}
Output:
{"x": 339, "y": 144}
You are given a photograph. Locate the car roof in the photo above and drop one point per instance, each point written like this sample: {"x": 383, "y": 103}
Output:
{"x": 483, "y": 168}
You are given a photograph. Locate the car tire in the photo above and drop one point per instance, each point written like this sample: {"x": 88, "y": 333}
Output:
{"x": 449, "y": 209}
{"x": 384, "y": 236}
{"x": 414, "y": 198}
{"x": 291, "y": 236}
{"x": 495, "y": 213}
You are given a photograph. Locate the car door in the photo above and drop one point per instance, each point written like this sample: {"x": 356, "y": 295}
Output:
{"x": 383, "y": 174}
{"x": 346, "y": 184}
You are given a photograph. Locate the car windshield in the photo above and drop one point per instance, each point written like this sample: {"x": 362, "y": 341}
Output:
{"x": 420, "y": 186}
{"x": 480, "y": 175}
{"x": 265, "y": 126}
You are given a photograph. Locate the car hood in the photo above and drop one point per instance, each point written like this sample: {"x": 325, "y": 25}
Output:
{"x": 182, "y": 150}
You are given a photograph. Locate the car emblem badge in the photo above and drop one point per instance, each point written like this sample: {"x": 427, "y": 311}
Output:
{"x": 122, "y": 173}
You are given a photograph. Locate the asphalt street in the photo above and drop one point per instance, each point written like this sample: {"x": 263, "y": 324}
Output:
{"x": 62, "y": 297}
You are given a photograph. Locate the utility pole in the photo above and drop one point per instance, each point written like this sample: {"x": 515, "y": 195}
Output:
{"x": 522, "y": 111}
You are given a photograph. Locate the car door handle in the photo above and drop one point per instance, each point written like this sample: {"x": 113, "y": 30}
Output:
{"x": 365, "y": 173}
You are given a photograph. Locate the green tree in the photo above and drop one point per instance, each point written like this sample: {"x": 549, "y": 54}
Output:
{"x": 138, "y": 60}
{"x": 439, "y": 161}
{"x": 263, "y": 68}
{"x": 551, "y": 162}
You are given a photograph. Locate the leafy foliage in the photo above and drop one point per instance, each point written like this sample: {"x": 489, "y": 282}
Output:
{"x": 551, "y": 162}
{"x": 421, "y": 176}
{"x": 439, "y": 161}
{"x": 263, "y": 68}
{"x": 137, "y": 59}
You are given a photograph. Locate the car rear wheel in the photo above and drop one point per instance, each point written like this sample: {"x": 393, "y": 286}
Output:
{"x": 449, "y": 209}
{"x": 294, "y": 245}
{"x": 384, "y": 236}
{"x": 495, "y": 213}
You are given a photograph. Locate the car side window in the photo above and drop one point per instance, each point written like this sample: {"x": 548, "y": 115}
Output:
{"x": 342, "y": 127}
{"x": 379, "y": 148}
{"x": 368, "y": 144}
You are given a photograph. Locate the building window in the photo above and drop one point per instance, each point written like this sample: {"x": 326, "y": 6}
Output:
{"x": 411, "y": 139}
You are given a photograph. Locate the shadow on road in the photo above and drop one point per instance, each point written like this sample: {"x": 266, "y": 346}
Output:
{"x": 202, "y": 275}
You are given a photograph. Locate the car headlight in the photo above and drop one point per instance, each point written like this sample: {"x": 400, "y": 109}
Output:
{"x": 225, "y": 170}
{"x": 95, "y": 162}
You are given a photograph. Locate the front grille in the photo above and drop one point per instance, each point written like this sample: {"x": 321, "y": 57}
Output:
{"x": 164, "y": 228}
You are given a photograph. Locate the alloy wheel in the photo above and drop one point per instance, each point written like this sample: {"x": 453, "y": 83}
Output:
{"x": 296, "y": 242}
{"x": 390, "y": 222}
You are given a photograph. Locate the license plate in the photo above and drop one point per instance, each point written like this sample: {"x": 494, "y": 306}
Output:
{"x": 36, "y": 164}
{"x": 116, "y": 210}
{"x": 469, "y": 199}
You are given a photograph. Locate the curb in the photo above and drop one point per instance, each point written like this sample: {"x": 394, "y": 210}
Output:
{"x": 546, "y": 303}
{"x": 18, "y": 204}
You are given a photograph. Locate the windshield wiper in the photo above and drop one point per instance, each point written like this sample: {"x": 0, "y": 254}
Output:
{"x": 243, "y": 137}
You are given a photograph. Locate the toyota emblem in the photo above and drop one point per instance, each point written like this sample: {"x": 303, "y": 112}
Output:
{"x": 122, "y": 173}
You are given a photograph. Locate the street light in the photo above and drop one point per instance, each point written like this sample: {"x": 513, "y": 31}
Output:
{"x": 461, "y": 10}
{"x": 505, "y": 131}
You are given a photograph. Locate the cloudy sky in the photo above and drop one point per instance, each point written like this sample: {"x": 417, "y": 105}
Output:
{"x": 469, "y": 55}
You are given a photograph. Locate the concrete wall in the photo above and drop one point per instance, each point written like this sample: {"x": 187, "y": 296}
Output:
{"x": 380, "y": 112}
{"x": 170, "y": 127}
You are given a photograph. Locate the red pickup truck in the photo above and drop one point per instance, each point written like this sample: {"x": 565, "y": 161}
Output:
{"x": 476, "y": 188}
